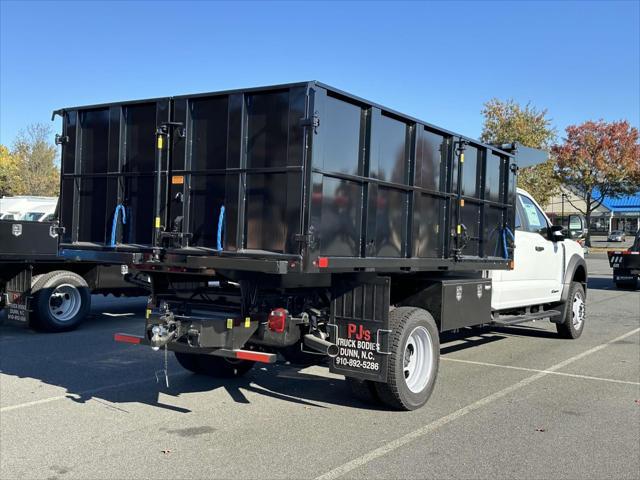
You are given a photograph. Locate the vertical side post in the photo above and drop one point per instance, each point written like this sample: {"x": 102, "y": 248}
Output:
{"x": 161, "y": 136}
{"x": 462, "y": 145}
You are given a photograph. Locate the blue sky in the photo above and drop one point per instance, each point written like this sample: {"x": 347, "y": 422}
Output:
{"x": 436, "y": 61}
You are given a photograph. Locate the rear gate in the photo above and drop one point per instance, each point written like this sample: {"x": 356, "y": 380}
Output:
{"x": 108, "y": 160}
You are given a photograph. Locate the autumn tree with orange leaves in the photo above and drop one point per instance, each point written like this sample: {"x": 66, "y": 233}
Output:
{"x": 598, "y": 160}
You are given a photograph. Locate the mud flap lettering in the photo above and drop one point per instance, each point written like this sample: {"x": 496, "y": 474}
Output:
{"x": 362, "y": 351}
{"x": 17, "y": 312}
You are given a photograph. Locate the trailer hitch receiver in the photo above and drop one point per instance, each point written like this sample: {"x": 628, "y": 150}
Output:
{"x": 160, "y": 334}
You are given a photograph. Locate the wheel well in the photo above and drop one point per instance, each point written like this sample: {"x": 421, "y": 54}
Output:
{"x": 580, "y": 275}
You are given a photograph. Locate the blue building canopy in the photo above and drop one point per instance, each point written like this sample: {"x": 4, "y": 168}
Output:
{"x": 628, "y": 203}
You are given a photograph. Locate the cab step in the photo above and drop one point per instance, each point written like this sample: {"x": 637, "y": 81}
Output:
{"x": 515, "y": 319}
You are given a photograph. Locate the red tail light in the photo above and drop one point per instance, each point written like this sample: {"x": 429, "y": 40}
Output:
{"x": 278, "y": 320}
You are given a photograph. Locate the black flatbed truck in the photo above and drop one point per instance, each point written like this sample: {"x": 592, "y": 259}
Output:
{"x": 43, "y": 289}
{"x": 626, "y": 265}
{"x": 296, "y": 219}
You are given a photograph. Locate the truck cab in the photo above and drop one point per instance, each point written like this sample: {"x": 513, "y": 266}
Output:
{"x": 545, "y": 264}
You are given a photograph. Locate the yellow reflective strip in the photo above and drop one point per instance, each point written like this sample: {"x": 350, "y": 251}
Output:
{"x": 247, "y": 322}
{"x": 462, "y": 158}
{"x": 157, "y": 222}
{"x": 229, "y": 323}
{"x": 160, "y": 142}
{"x": 459, "y": 229}
{"x": 148, "y": 313}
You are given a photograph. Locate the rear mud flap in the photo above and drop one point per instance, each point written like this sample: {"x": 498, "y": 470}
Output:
{"x": 18, "y": 313}
{"x": 359, "y": 326}
{"x": 18, "y": 297}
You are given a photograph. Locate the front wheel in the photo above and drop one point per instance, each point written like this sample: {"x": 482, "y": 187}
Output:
{"x": 212, "y": 366}
{"x": 414, "y": 361}
{"x": 574, "y": 313}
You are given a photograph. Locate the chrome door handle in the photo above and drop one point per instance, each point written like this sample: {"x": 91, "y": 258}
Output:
{"x": 539, "y": 249}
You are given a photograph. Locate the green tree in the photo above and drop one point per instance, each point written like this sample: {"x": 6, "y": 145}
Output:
{"x": 506, "y": 122}
{"x": 35, "y": 157}
{"x": 599, "y": 160}
{"x": 10, "y": 181}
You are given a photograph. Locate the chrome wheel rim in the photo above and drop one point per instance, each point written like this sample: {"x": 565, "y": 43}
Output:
{"x": 418, "y": 359}
{"x": 578, "y": 311}
{"x": 65, "y": 302}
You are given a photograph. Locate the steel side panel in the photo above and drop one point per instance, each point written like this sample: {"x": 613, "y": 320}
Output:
{"x": 302, "y": 169}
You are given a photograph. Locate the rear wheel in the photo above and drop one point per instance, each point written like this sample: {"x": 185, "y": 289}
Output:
{"x": 212, "y": 366}
{"x": 61, "y": 300}
{"x": 414, "y": 361}
{"x": 575, "y": 313}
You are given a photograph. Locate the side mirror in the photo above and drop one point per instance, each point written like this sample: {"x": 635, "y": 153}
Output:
{"x": 576, "y": 223}
{"x": 554, "y": 233}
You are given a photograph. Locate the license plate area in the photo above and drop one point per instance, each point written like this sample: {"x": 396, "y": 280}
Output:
{"x": 359, "y": 326}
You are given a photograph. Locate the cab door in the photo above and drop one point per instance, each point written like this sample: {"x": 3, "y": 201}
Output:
{"x": 538, "y": 262}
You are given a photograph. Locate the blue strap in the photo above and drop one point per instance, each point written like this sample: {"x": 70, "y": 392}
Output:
{"x": 506, "y": 230}
{"x": 504, "y": 244}
{"x": 220, "y": 227}
{"x": 114, "y": 225}
{"x": 510, "y": 233}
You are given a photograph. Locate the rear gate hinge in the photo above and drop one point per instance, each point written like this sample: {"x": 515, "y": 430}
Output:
{"x": 61, "y": 139}
{"x": 313, "y": 122}
{"x": 305, "y": 238}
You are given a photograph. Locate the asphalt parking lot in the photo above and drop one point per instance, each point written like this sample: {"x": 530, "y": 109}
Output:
{"x": 510, "y": 402}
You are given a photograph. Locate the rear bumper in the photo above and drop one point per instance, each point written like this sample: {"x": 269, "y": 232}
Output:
{"x": 238, "y": 354}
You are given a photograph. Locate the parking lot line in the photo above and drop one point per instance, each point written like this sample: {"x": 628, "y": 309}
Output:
{"x": 81, "y": 394}
{"x": 426, "y": 429}
{"x": 524, "y": 369}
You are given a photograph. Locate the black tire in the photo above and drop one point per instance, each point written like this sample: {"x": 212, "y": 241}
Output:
{"x": 218, "y": 367}
{"x": 53, "y": 290}
{"x": 363, "y": 390}
{"x": 628, "y": 284}
{"x": 570, "y": 327}
{"x": 295, "y": 356}
{"x": 404, "y": 321}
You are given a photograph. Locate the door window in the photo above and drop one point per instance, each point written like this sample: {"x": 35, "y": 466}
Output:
{"x": 535, "y": 220}
{"x": 518, "y": 219}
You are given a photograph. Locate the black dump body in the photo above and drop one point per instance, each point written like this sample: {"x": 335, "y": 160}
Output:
{"x": 290, "y": 178}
